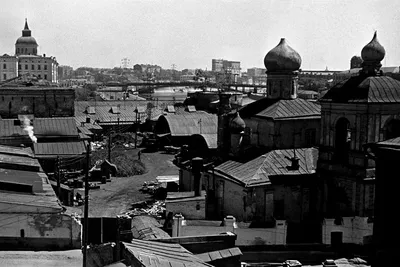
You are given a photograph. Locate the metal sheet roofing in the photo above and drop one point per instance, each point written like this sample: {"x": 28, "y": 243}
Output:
{"x": 7, "y": 129}
{"x": 275, "y": 163}
{"x": 147, "y": 227}
{"x": 189, "y": 123}
{"x": 281, "y": 109}
{"x": 219, "y": 254}
{"x": 361, "y": 89}
{"x": 157, "y": 254}
{"x": 65, "y": 148}
{"x": 55, "y": 127}
{"x": 16, "y": 151}
{"x": 210, "y": 139}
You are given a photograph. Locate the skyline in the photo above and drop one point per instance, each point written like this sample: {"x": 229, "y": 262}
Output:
{"x": 190, "y": 34}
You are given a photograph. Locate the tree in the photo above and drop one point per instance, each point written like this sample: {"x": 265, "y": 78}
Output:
{"x": 355, "y": 62}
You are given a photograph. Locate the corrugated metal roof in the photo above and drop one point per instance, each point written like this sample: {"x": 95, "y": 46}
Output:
{"x": 275, "y": 163}
{"x": 55, "y": 126}
{"x": 219, "y": 254}
{"x": 147, "y": 227}
{"x": 361, "y": 89}
{"x": 281, "y": 109}
{"x": 66, "y": 148}
{"x": 157, "y": 254}
{"x": 85, "y": 130}
{"x": 210, "y": 139}
{"x": 189, "y": 123}
{"x": 17, "y": 151}
{"x": 7, "y": 128}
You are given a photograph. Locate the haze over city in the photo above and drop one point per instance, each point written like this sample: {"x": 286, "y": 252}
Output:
{"x": 190, "y": 33}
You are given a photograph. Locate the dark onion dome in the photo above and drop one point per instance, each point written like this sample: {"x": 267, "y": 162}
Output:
{"x": 373, "y": 51}
{"x": 237, "y": 124}
{"x": 282, "y": 58}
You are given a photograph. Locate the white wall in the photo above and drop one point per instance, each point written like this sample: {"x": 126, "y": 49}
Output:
{"x": 354, "y": 230}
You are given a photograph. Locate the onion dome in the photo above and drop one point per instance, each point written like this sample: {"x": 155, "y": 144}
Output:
{"x": 282, "y": 58}
{"x": 373, "y": 51}
{"x": 237, "y": 124}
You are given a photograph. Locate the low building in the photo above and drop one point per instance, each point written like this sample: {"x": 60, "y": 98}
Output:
{"x": 31, "y": 215}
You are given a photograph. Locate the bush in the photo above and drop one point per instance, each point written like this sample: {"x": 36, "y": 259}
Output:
{"x": 125, "y": 160}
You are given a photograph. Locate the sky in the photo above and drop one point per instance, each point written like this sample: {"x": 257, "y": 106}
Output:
{"x": 190, "y": 33}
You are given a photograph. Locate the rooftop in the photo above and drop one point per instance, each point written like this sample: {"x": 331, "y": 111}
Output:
{"x": 59, "y": 149}
{"x": 259, "y": 171}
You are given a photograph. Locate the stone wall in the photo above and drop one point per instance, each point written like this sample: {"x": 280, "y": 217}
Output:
{"x": 41, "y": 102}
{"x": 39, "y": 230}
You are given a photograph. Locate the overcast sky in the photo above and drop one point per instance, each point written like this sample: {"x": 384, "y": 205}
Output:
{"x": 189, "y": 33}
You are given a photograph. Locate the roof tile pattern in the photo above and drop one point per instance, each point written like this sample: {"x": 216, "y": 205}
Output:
{"x": 67, "y": 148}
{"x": 275, "y": 163}
{"x": 55, "y": 127}
{"x": 189, "y": 123}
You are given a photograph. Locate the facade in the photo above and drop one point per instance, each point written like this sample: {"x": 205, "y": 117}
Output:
{"x": 221, "y": 65}
{"x": 362, "y": 109}
{"x": 27, "y": 61}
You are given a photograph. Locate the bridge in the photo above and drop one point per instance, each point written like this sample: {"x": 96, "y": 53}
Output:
{"x": 144, "y": 86}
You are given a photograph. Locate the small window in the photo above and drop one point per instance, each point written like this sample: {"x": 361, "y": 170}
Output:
{"x": 19, "y": 66}
{"x": 22, "y": 99}
{"x": 45, "y": 67}
{"x": 26, "y": 66}
{"x": 17, "y": 50}
{"x": 4, "y": 66}
{"x": 45, "y": 76}
{"x": 4, "y": 76}
{"x": 2, "y": 98}
{"x": 22, "y": 233}
{"x": 38, "y": 67}
{"x": 293, "y": 86}
{"x": 33, "y": 67}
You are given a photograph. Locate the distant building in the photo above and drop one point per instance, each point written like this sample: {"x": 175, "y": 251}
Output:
{"x": 64, "y": 72}
{"x": 27, "y": 61}
{"x": 147, "y": 68}
{"x": 221, "y": 65}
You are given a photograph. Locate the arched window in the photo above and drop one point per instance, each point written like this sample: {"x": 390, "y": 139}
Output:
{"x": 392, "y": 129}
{"x": 342, "y": 139}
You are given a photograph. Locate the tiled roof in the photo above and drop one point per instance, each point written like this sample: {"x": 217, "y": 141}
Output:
{"x": 189, "y": 123}
{"x": 361, "y": 89}
{"x": 157, "y": 254}
{"x": 62, "y": 149}
{"x": 275, "y": 163}
{"x": 55, "y": 127}
{"x": 281, "y": 109}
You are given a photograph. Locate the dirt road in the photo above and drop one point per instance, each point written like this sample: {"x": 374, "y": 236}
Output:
{"x": 116, "y": 196}
{"x": 41, "y": 258}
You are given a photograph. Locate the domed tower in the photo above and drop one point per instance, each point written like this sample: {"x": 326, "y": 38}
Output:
{"x": 283, "y": 64}
{"x": 237, "y": 127}
{"x": 372, "y": 54}
{"x": 26, "y": 44}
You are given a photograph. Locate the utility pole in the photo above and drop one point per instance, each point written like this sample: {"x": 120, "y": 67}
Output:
{"x": 109, "y": 145}
{"x": 86, "y": 209}
{"x": 136, "y": 126}
{"x": 58, "y": 177}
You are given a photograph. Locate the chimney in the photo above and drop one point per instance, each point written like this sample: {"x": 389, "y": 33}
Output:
{"x": 295, "y": 163}
{"x": 82, "y": 123}
{"x": 197, "y": 166}
{"x": 88, "y": 119}
{"x": 177, "y": 225}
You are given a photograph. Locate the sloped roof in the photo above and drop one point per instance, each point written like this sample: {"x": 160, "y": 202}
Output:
{"x": 147, "y": 227}
{"x": 210, "y": 139}
{"x": 7, "y": 129}
{"x": 281, "y": 109}
{"x": 189, "y": 123}
{"x": 55, "y": 126}
{"x": 157, "y": 254}
{"x": 275, "y": 163}
{"x": 220, "y": 254}
{"x": 393, "y": 142}
{"x": 361, "y": 89}
{"x": 16, "y": 151}
{"x": 61, "y": 149}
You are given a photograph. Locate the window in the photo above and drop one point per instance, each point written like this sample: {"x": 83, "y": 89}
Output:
{"x": 33, "y": 67}
{"x": 45, "y": 67}
{"x": 26, "y": 66}
{"x": 4, "y": 66}
{"x": 22, "y": 233}
{"x": 293, "y": 86}
{"x": 342, "y": 139}
{"x": 19, "y": 66}
{"x": 45, "y": 76}
{"x": 39, "y": 76}
{"x": 269, "y": 88}
{"x": 22, "y": 99}
{"x": 38, "y": 67}
{"x": 2, "y": 98}
{"x": 392, "y": 129}
{"x": 4, "y": 76}
{"x": 17, "y": 50}
{"x": 310, "y": 137}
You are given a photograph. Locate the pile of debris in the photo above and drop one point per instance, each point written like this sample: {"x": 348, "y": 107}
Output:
{"x": 150, "y": 187}
{"x": 155, "y": 209}
{"x": 97, "y": 145}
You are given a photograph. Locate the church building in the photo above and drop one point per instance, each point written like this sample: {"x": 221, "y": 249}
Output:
{"x": 27, "y": 61}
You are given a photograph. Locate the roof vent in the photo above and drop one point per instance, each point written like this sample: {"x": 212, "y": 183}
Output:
{"x": 295, "y": 163}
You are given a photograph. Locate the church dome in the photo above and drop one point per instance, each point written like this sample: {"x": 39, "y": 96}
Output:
{"x": 282, "y": 58}
{"x": 237, "y": 124}
{"x": 373, "y": 51}
{"x": 26, "y": 40}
